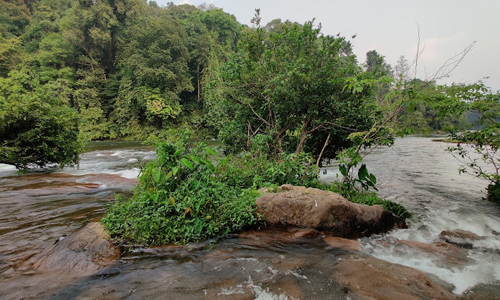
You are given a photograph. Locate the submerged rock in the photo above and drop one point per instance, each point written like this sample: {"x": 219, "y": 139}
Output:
{"x": 440, "y": 253}
{"x": 367, "y": 277}
{"x": 85, "y": 252}
{"x": 459, "y": 237}
{"x": 297, "y": 206}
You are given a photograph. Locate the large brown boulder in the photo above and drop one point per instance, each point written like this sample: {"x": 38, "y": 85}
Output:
{"x": 297, "y": 206}
{"x": 82, "y": 253}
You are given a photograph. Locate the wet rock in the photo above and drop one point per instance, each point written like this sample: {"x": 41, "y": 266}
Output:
{"x": 483, "y": 292}
{"x": 84, "y": 252}
{"x": 304, "y": 232}
{"x": 324, "y": 211}
{"x": 342, "y": 244}
{"x": 267, "y": 237}
{"x": 450, "y": 254}
{"x": 367, "y": 277}
{"x": 441, "y": 253}
{"x": 459, "y": 237}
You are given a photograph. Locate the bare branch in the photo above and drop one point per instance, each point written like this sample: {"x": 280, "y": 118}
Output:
{"x": 452, "y": 63}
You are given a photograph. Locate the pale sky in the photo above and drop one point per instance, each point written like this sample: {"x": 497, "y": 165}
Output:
{"x": 389, "y": 26}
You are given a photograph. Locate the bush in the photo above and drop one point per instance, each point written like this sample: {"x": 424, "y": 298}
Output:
{"x": 37, "y": 128}
{"x": 257, "y": 170}
{"x": 180, "y": 200}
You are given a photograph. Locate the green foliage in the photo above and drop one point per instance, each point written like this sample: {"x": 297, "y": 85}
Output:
{"x": 349, "y": 159}
{"x": 37, "y": 127}
{"x": 375, "y": 64}
{"x": 289, "y": 85}
{"x": 257, "y": 170}
{"x": 133, "y": 68}
{"x": 180, "y": 199}
{"x": 478, "y": 150}
{"x": 187, "y": 194}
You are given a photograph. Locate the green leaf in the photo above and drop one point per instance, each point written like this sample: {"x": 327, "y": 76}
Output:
{"x": 411, "y": 107}
{"x": 178, "y": 152}
{"x": 175, "y": 170}
{"x": 363, "y": 172}
{"x": 193, "y": 158}
{"x": 208, "y": 164}
{"x": 343, "y": 170}
{"x": 372, "y": 178}
{"x": 156, "y": 174}
{"x": 211, "y": 151}
{"x": 187, "y": 163}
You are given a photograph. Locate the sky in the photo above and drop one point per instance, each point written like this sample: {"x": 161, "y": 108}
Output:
{"x": 447, "y": 27}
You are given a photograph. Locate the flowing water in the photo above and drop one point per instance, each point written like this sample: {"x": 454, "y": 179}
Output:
{"x": 424, "y": 177}
{"x": 38, "y": 209}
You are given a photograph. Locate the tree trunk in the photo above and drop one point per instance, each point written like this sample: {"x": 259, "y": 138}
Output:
{"x": 323, "y": 150}
{"x": 303, "y": 137}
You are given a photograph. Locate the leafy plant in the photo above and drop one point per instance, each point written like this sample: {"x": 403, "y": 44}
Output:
{"x": 257, "y": 170}
{"x": 179, "y": 199}
{"x": 37, "y": 126}
{"x": 349, "y": 160}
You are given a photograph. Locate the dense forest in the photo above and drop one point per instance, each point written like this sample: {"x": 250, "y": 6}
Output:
{"x": 128, "y": 68}
{"x": 125, "y": 69}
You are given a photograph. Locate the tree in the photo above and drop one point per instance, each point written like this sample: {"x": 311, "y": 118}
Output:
{"x": 375, "y": 64}
{"x": 289, "y": 86}
{"x": 37, "y": 126}
{"x": 477, "y": 150}
{"x": 154, "y": 72}
{"x": 14, "y": 17}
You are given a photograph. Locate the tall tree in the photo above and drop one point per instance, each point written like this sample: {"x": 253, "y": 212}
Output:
{"x": 289, "y": 86}
{"x": 376, "y": 64}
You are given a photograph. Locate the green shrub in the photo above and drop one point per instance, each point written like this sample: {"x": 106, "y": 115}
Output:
{"x": 257, "y": 170}
{"x": 180, "y": 200}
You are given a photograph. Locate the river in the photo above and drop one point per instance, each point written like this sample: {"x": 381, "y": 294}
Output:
{"x": 38, "y": 209}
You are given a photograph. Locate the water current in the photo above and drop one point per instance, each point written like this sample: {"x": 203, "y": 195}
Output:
{"x": 39, "y": 208}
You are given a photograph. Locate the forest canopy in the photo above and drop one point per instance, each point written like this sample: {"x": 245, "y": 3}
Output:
{"x": 128, "y": 69}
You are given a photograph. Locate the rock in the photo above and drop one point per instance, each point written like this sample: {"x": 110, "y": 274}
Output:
{"x": 483, "y": 292}
{"x": 367, "y": 277}
{"x": 459, "y": 237}
{"x": 450, "y": 254}
{"x": 324, "y": 211}
{"x": 84, "y": 252}
{"x": 441, "y": 253}
{"x": 342, "y": 244}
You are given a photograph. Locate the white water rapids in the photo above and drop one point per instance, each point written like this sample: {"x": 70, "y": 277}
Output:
{"x": 424, "y": 177}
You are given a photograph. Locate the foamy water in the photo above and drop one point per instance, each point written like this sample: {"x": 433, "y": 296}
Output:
{"x": 422, "y": 176}
{"x": 123, "y": 162}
